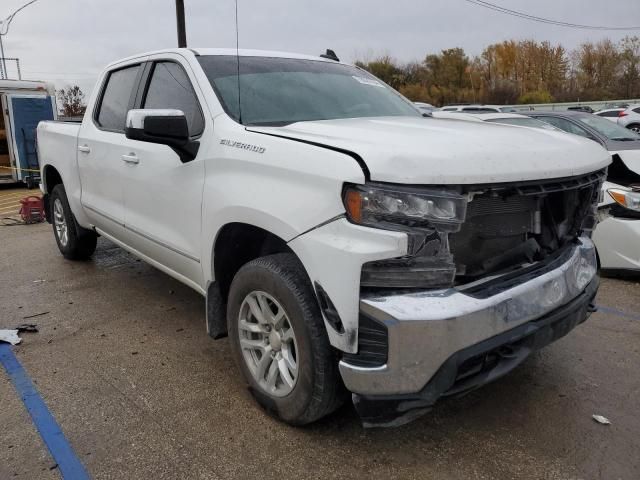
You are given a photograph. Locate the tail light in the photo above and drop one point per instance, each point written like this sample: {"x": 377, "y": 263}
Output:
{"x": 622, "y": 114}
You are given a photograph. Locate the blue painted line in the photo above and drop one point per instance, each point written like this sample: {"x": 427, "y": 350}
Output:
{"x": 615, "y": 311}
{"x": 68, "y": 463}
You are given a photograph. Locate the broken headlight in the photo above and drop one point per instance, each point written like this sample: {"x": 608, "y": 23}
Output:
{"x": 377, "y": 205}
{"x": 426, "y": 215}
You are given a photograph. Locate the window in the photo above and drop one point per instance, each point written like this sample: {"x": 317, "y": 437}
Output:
{"x": 567, "y": 126}
{"x": 280, "y": 91}
{"x": 637, "y": 110}
{"x": 609, "y": 113}
{"x": 523, "y": 122}
{"x": 115, "y": 98}
{"x": 609, "y": 129}
{"x": 170, "y": 88}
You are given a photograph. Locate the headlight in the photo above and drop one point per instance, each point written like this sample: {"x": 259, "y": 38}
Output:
{"x": 376, "y": 205}
{"x": 626, "y": 198}
{"x": 426, "y": 215}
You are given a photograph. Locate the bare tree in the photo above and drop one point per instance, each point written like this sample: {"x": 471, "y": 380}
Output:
{"x": 72, "y": 101}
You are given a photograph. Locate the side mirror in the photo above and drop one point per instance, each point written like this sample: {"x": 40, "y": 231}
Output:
{"x": 165, "y": 127}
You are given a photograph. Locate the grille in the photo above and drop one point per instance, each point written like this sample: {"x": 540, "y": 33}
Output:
{"x": 510, "y": 225}
{"x": 373, "y": 344}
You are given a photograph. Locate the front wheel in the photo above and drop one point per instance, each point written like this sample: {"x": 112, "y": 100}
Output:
{"x": 74, "y": 242}
{"x": 280, "y": 342}
{"x": 635, "y": 127}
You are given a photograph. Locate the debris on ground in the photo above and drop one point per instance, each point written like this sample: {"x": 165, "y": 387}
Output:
{"x": 39, "y": 281}
{"x": 28, "y": 327}
{"x": 35, "y": 315}
{"x": 601, "y": 419}
{"x": 10, "y": 336}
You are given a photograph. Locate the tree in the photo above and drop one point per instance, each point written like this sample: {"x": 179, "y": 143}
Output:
{"x": 630, "y": 67}
{"x": 72, "y": 101}
{"x": 386, "y": 69}
{"x": 522, "y": 71}
{"x": 536, "y": 96}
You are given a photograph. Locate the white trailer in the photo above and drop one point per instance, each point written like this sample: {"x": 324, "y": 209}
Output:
{"x": 24, "y": 104}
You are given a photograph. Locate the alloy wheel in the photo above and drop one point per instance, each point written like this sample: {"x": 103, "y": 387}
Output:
{"x": 268, "y": 343}
{"x": 62, "y": 230}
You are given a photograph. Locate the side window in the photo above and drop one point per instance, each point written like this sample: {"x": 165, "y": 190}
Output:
{"x": 567, "y": 126}
{"x": 611, "y": 113}
{"x": 115, "y": 98}
{"x": 170, "y": 87}
{"x": 637, "y": 110}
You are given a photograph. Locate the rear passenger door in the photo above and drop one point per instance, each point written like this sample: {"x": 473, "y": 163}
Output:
{"x": 163, "y": 195}
{"x": 101, "y": 146}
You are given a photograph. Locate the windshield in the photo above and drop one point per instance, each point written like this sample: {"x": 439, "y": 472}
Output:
{"x": 609, "y": 129}
{"x": 523, "y": 122}
{"x": 279, "y": 91}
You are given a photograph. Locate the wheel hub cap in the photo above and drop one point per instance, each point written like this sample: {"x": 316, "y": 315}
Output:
{"x": 268, "y": 343}
{"x": 60, "y": 223}
{"x": 276, "y": 341}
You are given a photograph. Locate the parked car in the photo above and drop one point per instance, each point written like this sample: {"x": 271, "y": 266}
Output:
{"x": 24, "y": 103}
{"x": 476, "y": 108}
{"x": 630, "y": 118}
{"x": 611, "y": 114}
{"x": 617, "y": 237}
{"x": 338, "y": 236}
{"x": 424, "y": 107}
{"x": 501, "y": 118}
{"x": 581, "y": 108}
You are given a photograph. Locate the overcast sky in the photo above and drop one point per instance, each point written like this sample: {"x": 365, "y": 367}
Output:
{"x": 69, "y": 41}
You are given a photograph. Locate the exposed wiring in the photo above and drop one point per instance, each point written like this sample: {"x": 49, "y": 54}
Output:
{"x": 526, "y": 16}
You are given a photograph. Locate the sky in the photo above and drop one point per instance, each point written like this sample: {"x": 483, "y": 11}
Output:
{"x": 69, "y": 42}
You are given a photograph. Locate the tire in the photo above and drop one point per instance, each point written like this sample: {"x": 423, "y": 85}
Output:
{"x": 74, "y": 242}
{"x": 282, "y": 282}
{"x": 634, "y": 127}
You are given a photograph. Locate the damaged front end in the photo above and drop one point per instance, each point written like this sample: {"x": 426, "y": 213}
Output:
{"x": 492, "y": 273}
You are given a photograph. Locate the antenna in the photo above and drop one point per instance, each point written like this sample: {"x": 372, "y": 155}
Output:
{"x": 238, "y": 66}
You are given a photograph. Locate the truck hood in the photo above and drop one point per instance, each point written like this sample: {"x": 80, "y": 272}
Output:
{"x": 439, "y": 151}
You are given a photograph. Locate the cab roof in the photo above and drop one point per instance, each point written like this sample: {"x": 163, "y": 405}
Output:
{"x": 225, "y": 51}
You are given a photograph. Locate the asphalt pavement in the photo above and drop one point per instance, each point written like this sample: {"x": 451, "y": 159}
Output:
{"x": 123, "y": 363}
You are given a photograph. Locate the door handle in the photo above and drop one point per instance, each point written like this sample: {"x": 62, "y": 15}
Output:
{"x": 131, "y": 158}
{"x": 84, "y": 149}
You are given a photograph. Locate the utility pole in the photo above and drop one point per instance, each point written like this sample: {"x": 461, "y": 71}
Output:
{"x": 3, "y": 62}
{"x": 182, "y": 31}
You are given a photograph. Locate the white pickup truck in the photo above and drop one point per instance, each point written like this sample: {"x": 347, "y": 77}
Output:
{"x": 340, "y": 238}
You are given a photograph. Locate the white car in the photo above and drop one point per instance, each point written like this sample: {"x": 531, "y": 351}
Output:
{"x": 611, "y": 114}
{"x": 424, "y": 107}
{"x": 475, "y": 108}
{"x": 338, "y": 236}
{"x": 618, "y": 233}
{"x": 630, "y": 118}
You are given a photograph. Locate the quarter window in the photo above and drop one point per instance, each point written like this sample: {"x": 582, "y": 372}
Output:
{"x": 115, "y": 99}
{"x": 170, "y": 88}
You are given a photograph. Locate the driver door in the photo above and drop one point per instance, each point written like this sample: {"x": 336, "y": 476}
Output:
{"x": 163, "y": 195}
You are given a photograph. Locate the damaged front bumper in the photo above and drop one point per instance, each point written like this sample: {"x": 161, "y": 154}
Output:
{"x": 451, "y": 341}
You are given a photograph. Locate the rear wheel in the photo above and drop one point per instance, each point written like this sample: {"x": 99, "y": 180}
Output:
{"x": 280, "y": 342}
{"x": 635, "y": 127}
{"x": 74, "y": 242}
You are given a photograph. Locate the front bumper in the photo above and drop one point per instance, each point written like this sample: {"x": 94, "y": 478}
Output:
{"x": 428, "y": 331}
